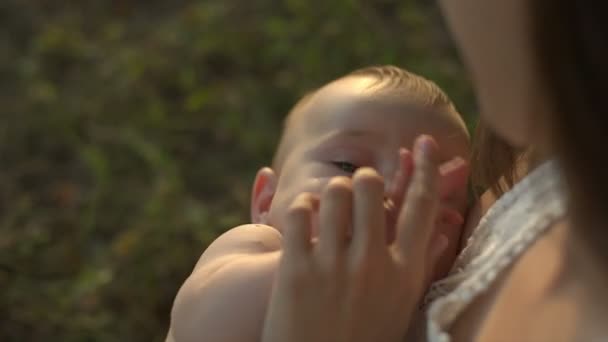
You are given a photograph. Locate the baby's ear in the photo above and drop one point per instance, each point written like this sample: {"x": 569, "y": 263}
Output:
{"x": 264, "y": 187}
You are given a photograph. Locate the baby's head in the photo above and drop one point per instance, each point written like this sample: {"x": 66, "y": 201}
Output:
{"x": 361, "y": 119}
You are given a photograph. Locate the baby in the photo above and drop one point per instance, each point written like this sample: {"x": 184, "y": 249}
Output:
{"x": 366, "y": 118}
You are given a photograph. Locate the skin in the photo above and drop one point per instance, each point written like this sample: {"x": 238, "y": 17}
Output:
{"x": 357, "y": 289}
{"x": 366, "y": 129}
{"x": 345, "y": 127}
{"x": 552, "y": 292}
{"x": 547, "y": 284}
{"x": 495, "y": 44}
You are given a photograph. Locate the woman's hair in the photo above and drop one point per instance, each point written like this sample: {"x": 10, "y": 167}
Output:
{"x": 495, "y": 164}
{"x": 570, "y": 38}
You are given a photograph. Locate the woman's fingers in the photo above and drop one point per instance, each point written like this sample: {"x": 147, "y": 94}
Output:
{"x": 417, "y": 217}
{"x": 298, "y": 226}
{"x": 335, "y": 219}
{"x": 369, "y": 232}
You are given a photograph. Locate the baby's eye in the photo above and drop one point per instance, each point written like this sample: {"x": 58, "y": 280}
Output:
{"x": 345, "y": 166}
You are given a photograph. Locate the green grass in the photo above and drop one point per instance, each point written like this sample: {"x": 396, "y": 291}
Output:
{"x": 130, "y": 133}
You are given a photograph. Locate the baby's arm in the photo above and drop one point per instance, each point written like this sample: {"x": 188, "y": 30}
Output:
{"x": 226, "y": 296}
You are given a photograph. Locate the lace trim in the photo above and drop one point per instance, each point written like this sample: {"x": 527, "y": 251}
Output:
{"x": 510, "y": 226}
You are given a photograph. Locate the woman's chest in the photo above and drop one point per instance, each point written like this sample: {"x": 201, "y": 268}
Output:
{"x": 521, "y": 305}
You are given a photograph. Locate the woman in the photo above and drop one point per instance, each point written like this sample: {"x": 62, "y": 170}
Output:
{"x": 534, "y": 269}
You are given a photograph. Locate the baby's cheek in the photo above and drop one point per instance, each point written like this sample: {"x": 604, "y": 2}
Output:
{"x": 285, "y": 196}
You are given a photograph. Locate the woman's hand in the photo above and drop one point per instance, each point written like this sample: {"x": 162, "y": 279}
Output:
{"x": 349, "y": 284}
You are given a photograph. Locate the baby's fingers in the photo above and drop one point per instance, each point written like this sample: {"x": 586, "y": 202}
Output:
{"x": 402, "y": 177}
{"x": 335, "y": 218}
{"x": 417, "y": 217}
{"x": 369, "y": 233}
{"x": 454, "y": 178}
{"x": 298, "y": 226}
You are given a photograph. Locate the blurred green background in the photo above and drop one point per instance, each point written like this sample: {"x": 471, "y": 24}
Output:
{"x": 130, "y": 132}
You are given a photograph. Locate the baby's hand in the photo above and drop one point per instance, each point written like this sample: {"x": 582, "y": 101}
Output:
{"x": 360, "y": 289}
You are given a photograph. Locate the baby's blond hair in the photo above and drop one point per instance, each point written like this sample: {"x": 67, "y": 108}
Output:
{"x": 388, "y": 78}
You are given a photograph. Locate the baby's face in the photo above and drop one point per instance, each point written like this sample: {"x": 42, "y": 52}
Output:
{"x": 346, "y": 126}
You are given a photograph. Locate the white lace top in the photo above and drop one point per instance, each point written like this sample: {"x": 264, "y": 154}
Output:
{"x": 508, "y": 228}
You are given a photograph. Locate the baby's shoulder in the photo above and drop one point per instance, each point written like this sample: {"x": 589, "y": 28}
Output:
{"x": 243, "y": 240}
{"x": 253, "y": 237}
